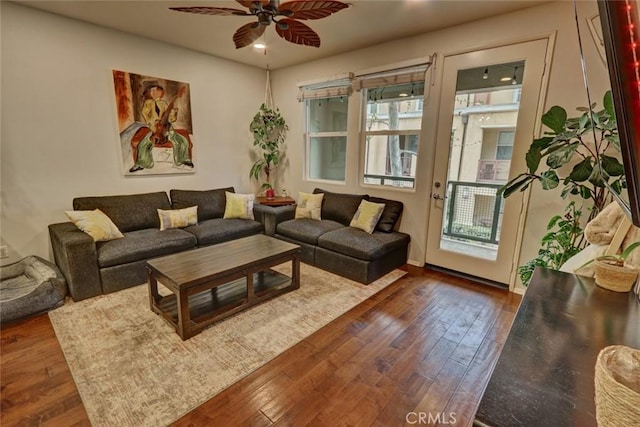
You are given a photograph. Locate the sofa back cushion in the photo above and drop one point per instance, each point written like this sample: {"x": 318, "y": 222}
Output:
{"x": 128, "y": 212}
{"x": 340, "y": 207}
{"x": 211, "y": 203}
{"x": 390, "y": 215}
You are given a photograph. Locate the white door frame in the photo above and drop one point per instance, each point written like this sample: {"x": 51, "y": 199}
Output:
{"x": 434, "y": 105}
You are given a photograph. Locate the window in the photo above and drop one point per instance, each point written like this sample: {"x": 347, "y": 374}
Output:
{"x": 326, "y": 113}
{"x": 504, "y": 147}
{"x": 393, "y": 120}
{"x": 391, "y": 124}
{"x": 326, "y": 141}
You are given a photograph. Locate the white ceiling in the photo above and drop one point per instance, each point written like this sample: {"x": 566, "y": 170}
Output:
{"x": 365, "y": 23}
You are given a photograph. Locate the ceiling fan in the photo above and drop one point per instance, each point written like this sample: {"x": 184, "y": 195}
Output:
{"x": 268, "y": 11}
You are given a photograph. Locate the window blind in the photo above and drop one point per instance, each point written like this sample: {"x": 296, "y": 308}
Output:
{"x": 326, "y": 89}
{"x": 413, "y": 74}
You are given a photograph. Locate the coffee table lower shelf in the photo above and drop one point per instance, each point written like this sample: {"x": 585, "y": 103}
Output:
{"x": 212, "y": 305}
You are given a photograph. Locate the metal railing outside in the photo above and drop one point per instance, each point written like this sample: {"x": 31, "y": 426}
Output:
{"x": 473, "y": 211}
{"x": 396, "y": 181}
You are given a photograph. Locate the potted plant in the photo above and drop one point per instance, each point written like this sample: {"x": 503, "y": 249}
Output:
{"x": 581, "y": 155}
{"x": 269, "y": 131}
{"x": 597, "y": 169}
{"x": 611, "y": 271}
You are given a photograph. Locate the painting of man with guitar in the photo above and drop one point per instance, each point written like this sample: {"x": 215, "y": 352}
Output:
{"x": 159, "y": 116}
{"x": 154, "y": 120}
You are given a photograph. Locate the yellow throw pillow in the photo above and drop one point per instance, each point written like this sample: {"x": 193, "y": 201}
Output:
{"x": 367, "y": 216}
{"x": 96, "y": 224}
{"x": 178, "y": 218}
{"x": 239, "y": 206}
{"x": 309, "y": 205}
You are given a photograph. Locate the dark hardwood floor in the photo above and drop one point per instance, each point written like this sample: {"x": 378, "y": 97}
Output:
{"x": 418, "y": 353}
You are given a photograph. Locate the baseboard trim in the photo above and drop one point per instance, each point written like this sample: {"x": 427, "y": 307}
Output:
{"x": 468, "y": 276}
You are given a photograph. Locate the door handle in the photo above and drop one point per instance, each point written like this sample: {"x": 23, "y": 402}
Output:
{"x": 436, "y": 196}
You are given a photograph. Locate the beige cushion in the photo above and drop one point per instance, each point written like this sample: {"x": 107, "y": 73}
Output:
{"x": 96, "y": 224}
{"x": 239, "y": 206}
{"x": 367, "y": 216}
{"x": 178, "y": 218}
{"x": 309, "y": 205}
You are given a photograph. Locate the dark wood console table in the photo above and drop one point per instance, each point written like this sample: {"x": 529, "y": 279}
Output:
{"x": 545, "y": 373}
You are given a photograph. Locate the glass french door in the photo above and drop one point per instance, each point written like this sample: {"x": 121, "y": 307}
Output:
{"x": 488, "y": 113}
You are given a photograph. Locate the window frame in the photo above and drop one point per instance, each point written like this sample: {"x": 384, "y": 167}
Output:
{"x": 364, "y": 133}
{"x": 308, "y": 135}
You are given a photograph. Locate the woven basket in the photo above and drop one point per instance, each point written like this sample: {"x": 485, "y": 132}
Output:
{"x": 617, "y": 382}
{"x": 613, "y": 277}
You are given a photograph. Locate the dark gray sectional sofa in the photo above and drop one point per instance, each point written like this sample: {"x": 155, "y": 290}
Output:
{"x": 332, "y": 245}
{"x": 93, "y": 268}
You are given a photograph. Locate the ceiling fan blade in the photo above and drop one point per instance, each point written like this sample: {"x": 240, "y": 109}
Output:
{"x": 299, "y": 9}
{"x": 203, "y": 10}
{"x": 297, "y": 32}
{"x": 249, "y": 3}
{"x": 247, "y": 34}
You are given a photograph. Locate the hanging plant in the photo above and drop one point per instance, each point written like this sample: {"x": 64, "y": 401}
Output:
{"x": 269, "y": 132}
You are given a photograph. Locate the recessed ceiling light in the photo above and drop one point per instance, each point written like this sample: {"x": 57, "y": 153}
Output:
{"x": 505, "y": 79}
{"x": 259, "y": 45}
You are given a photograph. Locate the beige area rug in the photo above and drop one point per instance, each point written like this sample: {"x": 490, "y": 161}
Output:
{"x": 132, "y": 369}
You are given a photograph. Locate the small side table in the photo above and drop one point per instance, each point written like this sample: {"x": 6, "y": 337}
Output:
{"x": 273, "y": 211}
{"x": 276, "y": 201}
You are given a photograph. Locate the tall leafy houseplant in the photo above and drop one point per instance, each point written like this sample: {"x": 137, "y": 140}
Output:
{"x": 269, "y": 132}
{"x": 590, "y": 143}
{"x": 571, "y": 140}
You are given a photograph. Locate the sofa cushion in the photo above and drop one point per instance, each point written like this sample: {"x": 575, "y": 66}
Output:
{"x": 96, "y": 224}
{"x": 340, "y": 207}
{"x": 309, "y": 206}
{"x": 143, "y": 244}
{"x": 239, "y": 206}
{"x": 211, "y": 203}
{"x": 178, "y": 218}
{"x": 390, "y": 215}
{"x": 129, "y": 212}
{"x": 359, "y": 244}
{"x": 306, "y": 230}
{"x": 220, "y": 230}
{"x": 367, "y": 216}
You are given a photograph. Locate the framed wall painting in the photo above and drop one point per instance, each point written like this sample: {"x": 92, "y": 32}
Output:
{"x": 154, "y": 124}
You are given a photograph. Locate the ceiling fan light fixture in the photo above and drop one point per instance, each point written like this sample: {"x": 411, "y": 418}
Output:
{"x": 260, "y": 45}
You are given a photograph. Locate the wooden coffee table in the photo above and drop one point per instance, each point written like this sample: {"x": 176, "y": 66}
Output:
{"x": 214, "y": 282}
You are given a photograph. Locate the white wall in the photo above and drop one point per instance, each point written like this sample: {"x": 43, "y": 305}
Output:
{"x": 565, "y": 88}
{"x": 59, "y": 128}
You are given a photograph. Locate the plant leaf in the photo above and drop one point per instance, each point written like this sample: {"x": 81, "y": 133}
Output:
{"x": 625, "y": 254}
{"x": 598, "y": 176}
{"x": 611, "y": 165}
{"x": 608, "y": 105}
{"x": 507, "y": 189}
{"x": 555, "y": 119}
{"x": 562, "y": 156}
{"x": 549, "y": 180}
{"x": 582, "y": 171}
